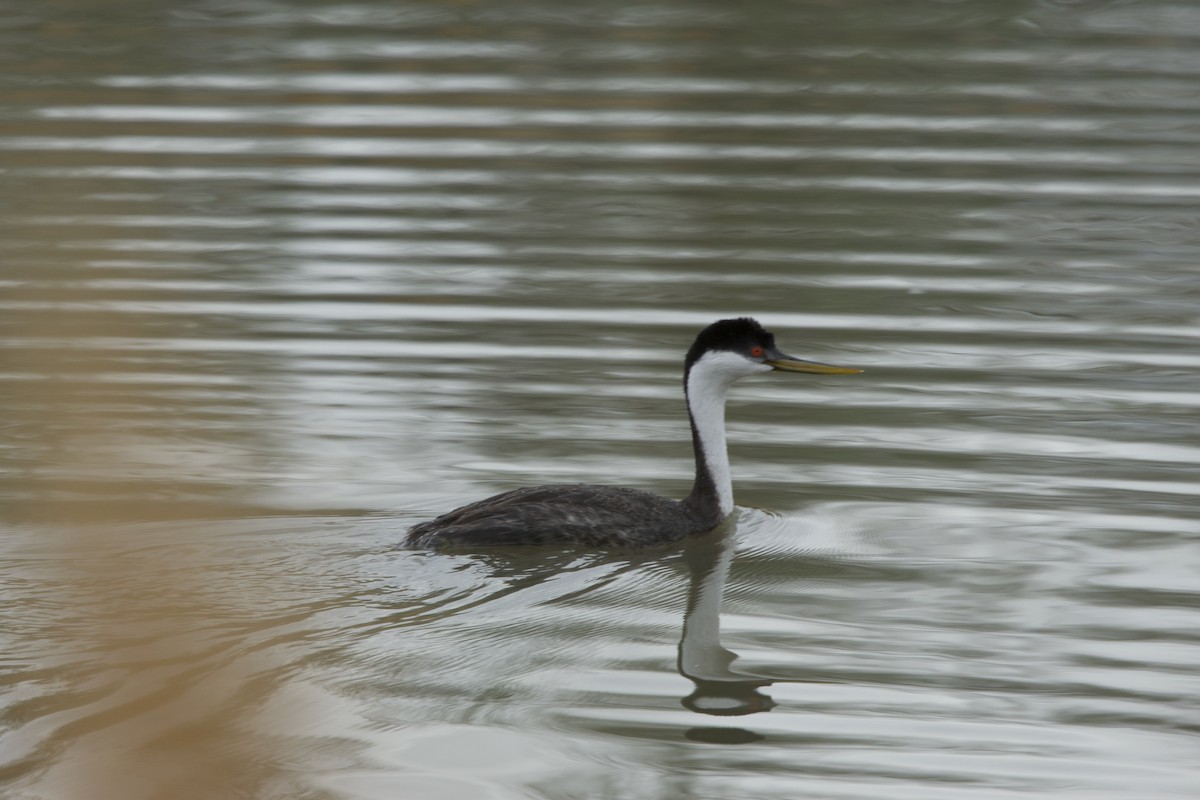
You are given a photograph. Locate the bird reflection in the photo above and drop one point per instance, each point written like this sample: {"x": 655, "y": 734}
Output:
{"x": 720, "y": 689}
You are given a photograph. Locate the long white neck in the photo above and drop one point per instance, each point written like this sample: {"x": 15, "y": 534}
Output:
{"x": 706, "y": 402}
{"x": 708, "y": 384}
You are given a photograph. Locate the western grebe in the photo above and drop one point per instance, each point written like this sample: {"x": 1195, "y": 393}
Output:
{"x": 605, "y": 516}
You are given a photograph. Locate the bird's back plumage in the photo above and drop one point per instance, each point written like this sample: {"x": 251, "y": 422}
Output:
{"x": 580, "y": 514}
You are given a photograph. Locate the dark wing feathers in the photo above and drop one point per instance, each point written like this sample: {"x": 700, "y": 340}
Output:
{"x": 598, "y": 516}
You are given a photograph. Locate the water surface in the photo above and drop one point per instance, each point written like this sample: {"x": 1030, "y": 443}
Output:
{"x": 279, "y": 280}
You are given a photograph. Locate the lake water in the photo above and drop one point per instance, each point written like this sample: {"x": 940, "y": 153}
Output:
{"x": 278, "y": 280}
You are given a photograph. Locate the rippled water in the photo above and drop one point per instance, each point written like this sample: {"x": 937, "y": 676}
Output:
{"x": 279, "y": 279}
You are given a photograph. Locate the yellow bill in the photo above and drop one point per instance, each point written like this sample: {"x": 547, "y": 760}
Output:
{"x": 799, "y": 365}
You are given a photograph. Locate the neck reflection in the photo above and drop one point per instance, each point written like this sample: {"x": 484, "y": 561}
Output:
{"x": 721, "y": 690}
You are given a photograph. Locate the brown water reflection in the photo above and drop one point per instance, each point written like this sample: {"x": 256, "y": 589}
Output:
{"x": 152, "y": 667}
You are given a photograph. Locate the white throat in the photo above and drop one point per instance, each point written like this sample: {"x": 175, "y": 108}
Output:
{"x": 708, "y": 385}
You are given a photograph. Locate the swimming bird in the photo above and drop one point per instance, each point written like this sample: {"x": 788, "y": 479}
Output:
{"x": 616, "y": 517}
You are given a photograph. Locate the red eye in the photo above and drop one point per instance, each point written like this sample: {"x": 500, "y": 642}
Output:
{"x": 756, "y": 351}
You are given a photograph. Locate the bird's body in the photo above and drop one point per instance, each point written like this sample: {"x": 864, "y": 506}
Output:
{"x": 591, "y": 516}
{"x": 616, "y": 517}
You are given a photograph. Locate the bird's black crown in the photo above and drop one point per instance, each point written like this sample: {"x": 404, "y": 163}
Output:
{"x": 739, "y": 335}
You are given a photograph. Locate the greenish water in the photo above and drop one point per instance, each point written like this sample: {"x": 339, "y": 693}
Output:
{"x": 278, "y": 280}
